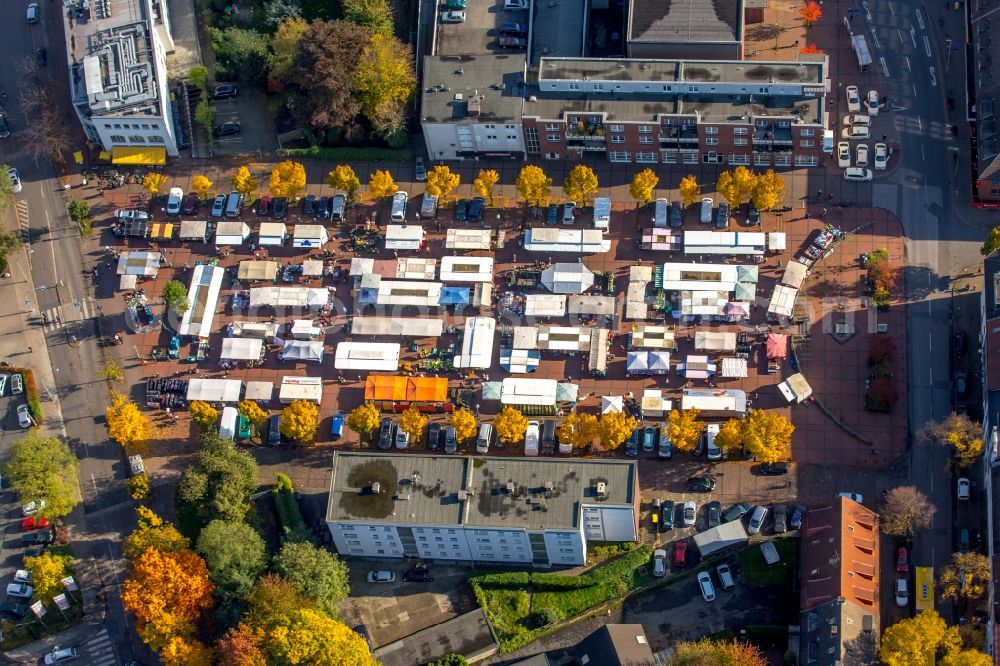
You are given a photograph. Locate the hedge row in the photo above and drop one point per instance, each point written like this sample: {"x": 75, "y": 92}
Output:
{"x": 30, "y": 392}
{"x": 292, "y": 523}
{"x": 351, "y": 154}
{"x": 501, "y": 579}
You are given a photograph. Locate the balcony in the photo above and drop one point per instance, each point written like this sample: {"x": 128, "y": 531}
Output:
{"x": 589, "y": 146}
{"x": 675, "y": 135}
{"x": 772, "y": 135}
{"x": 585, "y": 132}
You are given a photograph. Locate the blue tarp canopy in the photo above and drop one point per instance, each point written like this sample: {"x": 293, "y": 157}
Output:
{"x": 455, "y": 296}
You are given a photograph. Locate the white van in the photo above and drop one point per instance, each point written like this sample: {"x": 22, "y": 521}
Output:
{"x": 227, "y": 424}
{"x": 660, "y": 210}
{"x": 706, "y": 210}
{"x": 531, "y": 439}
{"x": 337, "y": 206}
{"x": 399, "y": 200}
{"x": 712, "y": 452}
{"x": 602, "y": 213}
{"x": 828, "y": 142}
{"x": 234, "y": 204}
{"x": 483, "y": 441}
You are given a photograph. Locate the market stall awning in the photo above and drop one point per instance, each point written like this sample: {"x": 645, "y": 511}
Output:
{"x": 612, "y": 403}
{"x": 567, "y": 278}
{"x": 733, "y": 367}
{"x": 590, "y": 305}
{"x": 795, "y": 388}
{"x": 303, "y": 350}
{"x": 257, "y": 270}
{"x": 715, "y": 340}
{"x": 406, "y": 389}
{"x": 519, "y": 360}
{"x": 454, "y": 296}
{"x": 312, "y": 267}
{"x": 777, "y": 345}
{"x": 492, "y": 390}
{"x": 259, "y": 391}
{"x": 130, "y": 155}
{"x": 241, "y": 349}
{"x": 567, "y": 392}
{"x": 361, "y": 266}
{"x": 214, "y": 390}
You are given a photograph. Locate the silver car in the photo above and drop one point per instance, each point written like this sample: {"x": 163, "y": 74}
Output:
{"x": 757, "y": 520}
{"x": 24, "y": 417}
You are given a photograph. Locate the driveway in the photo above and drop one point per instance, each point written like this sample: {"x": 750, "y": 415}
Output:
{"x": 257, "y": 131}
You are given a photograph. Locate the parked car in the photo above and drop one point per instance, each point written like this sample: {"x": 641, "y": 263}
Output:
{"x": 274, "y": 431}
{"x": 680, "y": 554}
{"x": 323, "y": 208}
{"x": 13, "y": 610}
{"x": 706, "y": 587}
{"x": 735, "y": 512}
{"x": 24, "y": 416}
{"x": 39, "y": 538}
{"x": 34, "y": 16}
{"x": 861, "y": 153}
{"x": 33, "y": 507}
{"x": 632, "y": 444}
{"x": 843, "y": 154}
{"x": 780, "y": 519}
{"x": 675, "y": 215}
{"x": 385, "y": 434}
{"x": 476, "y": 207}
{"x": 964, "y": 488}
{"x": 757, "y": 520}
{"x": 309, "y": 205}
{"x": 722, "y": 216}
{"x": 659, "y": 562}
{"x": 57, "y": 656}
{"x": 552, "y": 214}
{"x": 16, "y": 384}
{"x": 450, "y": 440}
{"x": 461, "y": 210}
{"x": 649, "y": 438}
{"x": 225, "y": 91}
{"x": 512, "y": 43}
{"x": 20, "y": 590}
{"x": 714, "y": 510}
{"x": 513, "y": 29}
{"x": 773, "y": 469}
{"x": 34, "y": 523}
{"x": 280, "y": 208}
{"x": 337, "y": 426}
{"x": 665, "y": 450}
{"x": 725, "y": 575}
{"x": 960, "y": 384}
{"x": 902, "y": 560}
{"x": 433, "y": 436}
{"x": 418, "y": 576}
{"x": 516, "y": 5}
{"x": 857, "y": 174}
{"x": 41, "y": 56}
{"x": 15, "y": 180}
{"x": 902, "y": 593}
{"x": 667, "y": 515}
{"x": 454, "y": 16}
{"x": 382, "y": 576}
{"x": 419, "y": 170}
{"x": 219, "y": 205}
{"x": 857, "y": 497}
{"x": 22, "y": 576}
{"x": 701, "y": 484}
{"x": 871, "y": 103}
{"x": 690, "y": 510}
{"x": 853, "y": 99}
{"x": 753, "y": 217}
{"x": 227, "y": 129}
{"x": 402, "y": 439}
{"x": 797, "y": 515}
{"x": 174, "y": 200}
{"x": 881, "y": 156}
{"x": 190, "y": 204}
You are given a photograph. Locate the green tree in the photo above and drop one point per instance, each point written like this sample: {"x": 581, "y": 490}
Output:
{"x": 204, "y": 115}
{"x": 705, "y": 652}
{"x": 324, "y": 65}
{"x": 175, "y": 295}
{"x": 316, "y": 573}
{"x": 376, "y": 15}
{"x": 78, "y": 210}
{"x": 285, "y": 44}
{"x": 450, "y": 659}
{"x": 219, "y": 483}
{"x": 198, "y": 76}
{"x": 384, "y": 81}
{"x": 43, "y": 468}
{"x": 241, "y": 55}
{"x": 111, "y": 371}
{"x": 992, "y": 242}
{"x": 153, "y": 533}
{"x": 235, "y": 555}
{"x": 9, "y": 242}
{"x": 6, "y": 189}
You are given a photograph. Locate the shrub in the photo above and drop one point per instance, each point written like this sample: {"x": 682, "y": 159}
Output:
{"x": 292, "y": 524}
{"x": 502, "y": 579}
{"x": 138, "y": 487}
{"x": 350, "y": 154}
{"x": 284, "y": 482}
{"x": 547, "y": 616}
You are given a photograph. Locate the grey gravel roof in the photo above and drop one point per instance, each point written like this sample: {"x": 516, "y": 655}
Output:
{"x": 685, "y": 21}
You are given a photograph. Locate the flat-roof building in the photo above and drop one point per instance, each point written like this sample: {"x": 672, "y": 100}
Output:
{"x": 479, "y": 509}
{"x": 685, "y": 29}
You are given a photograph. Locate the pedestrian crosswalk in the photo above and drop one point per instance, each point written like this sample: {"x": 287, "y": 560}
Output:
{"x": 58, "y": 316}
{"x": 100, "y": 650}
{"x": 21, "y": 210}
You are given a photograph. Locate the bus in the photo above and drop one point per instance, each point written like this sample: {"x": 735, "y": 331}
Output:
{"x": 924, "y": 588}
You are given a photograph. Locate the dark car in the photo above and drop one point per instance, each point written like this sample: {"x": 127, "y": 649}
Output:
{"x": 735, "y": 512}
{"x": 323, "y": 208}
{"x": 227, "y": 129}
{"x": 675, "y": 215}
{"x": 226, "y": 91}
{"x": 450, "y": 440}
{"x": 476, "y": 209}
{"x": 701, "y": 484}
{"x": 959, "y": 343}
{"x": 780, "y": 513}
{"x": 385, "y": 434}
{"x": 714, "y": 510}
{"x": 309, "y": 205}
{"x": 513, "y": 29}
{"x": 41, "y": 57}
{"x": 552, "y": 214}
{"x": 960, "y": 384}
{"x": 190, "y": 204}
{"x": 632, "y": 445}
{"x": 774, "y": 469}
{"x": 461, "y": 210}
{"x": 274, "y": 431}
{"x": 12, "y": 610}
{"x": 796, "y": 521}
{"x": 512, "y": 43}
{"x": 4, "y": 130}
{"x": 280, "y": 208}
{"x": 434, "y": 436}
{"x": 722, "y": 216}
{"x": 753, "y": 217}
{"x": 650, "y": 437}
{"x": 264, "y": 206}
{"x": 667, "y": 516}
{"x": 37, "y": 538}
{"x": 418, "y": 576}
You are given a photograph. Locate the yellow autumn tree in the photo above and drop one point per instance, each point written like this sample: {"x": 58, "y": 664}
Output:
{"x": 186, "y": 652}
{"x": 643, "y": 185}
{"x": 743, "y": 180}
{"x": 689, "y": 189}
{"x": 364, "y": 419}
{"x": 960, "y": 434}
{"x": 47, "y": 572}
{"x": 287, "y": 180}
{"x": 614, "y": 428}
{"x": 299, "y": 421}
{"x": 464, "y": 424}
{"x": 534, "y": 186}
{"x": 201, "y": 185}
{"x": 154, "y": 182}
{"x": 966, "y": 657}
{"x": 203, "y": 414}
{"x": 730, "y": 435}
{"x": 343, "y": 178}
{"x": 252, "y": 412}
{"x": 727, "y": 189}
{"x": 966, "y": 577}
{"x": 767, "y": 435}
{"x": 510, "y": 425}
{"x": 684, "y": 428}
{"x": 579, "y": 430}
{"x": 768, "y": 191}
{"x": 581, "y": 184}
{"x": 285, "y": 44}
{"x": 413, "y": 422}
{"x": 153, "y": 533}
{"x": 381, "y": 184}
{"x": 126, "y": 424}
{"x": 384, "y": 81}
{"x": 244, "y": 182}
{"x": 916, "y": 640}
{"x": 485, "y": 182}
{"x": 441, "y": 182}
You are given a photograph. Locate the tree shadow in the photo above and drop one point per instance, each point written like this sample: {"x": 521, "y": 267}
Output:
{"x": 760, "y": 33}
{"x": 921, "y": 282}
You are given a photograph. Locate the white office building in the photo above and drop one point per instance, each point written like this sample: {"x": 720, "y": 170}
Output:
{"x": 117, "y": 52}
{"x": 527, "y": 511}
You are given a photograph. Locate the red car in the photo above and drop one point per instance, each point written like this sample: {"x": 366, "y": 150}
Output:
{"x": 680, "y": 554}
{"x": 264, "y": 206}
{"x": 34, "y": 523}
{"x": 902, "y": 561}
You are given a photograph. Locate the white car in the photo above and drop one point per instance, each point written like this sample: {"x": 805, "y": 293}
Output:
{"x": 902, "y": 593}
{"x": 757, "y": 519}
{"x": 15, "y": 180}
{"x": 402, "y": 439}
{"x": 33, "y": 507}
{"x": 881, "y": 156}
{"x": 856, "y": 133}
{"x": 516, "y": 5}
{"x": 853, "y": 99}
{"x": 20, "y": 590}
{"x": 24, "y": 417}
{"x": 862, "y": 155}
{"x": 22, "y": 576}
{"x": 174, "y": 201}
{"x": 382, "y": 576}
{"x": 690, "y": 513}
{"x": 219, "y": 205}
{"x": 964, "y": 488}
{"x": 659, "y": 562}
{"x": 843, "y": 154}
{"x": 871, "y": 103}
{"x": 858, "y": 119}
{"x": 58, "y": 656}
{"x": 33, "y": 13}
{"x": 857, "y": 174}
{"x": 454, "y": 16}
{"x": 706, "y": 587}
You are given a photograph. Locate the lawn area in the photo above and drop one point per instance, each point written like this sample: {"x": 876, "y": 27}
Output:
{"x": 522, "y": 605}
{"x": 759, "y": 574}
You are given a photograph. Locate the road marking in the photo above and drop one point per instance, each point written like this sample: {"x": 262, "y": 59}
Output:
{"x": 878, "y": 44}
{"x": 868, "y": 14}
{"x": 920, "y": 20}
{"x": 907, "y": 61}
{"x": 898, "y": 32}
{"x": 930, "y": 376}
{"x": 927, "y": 46}
{"x": 933, "y": 78}
{"x": 21, "y": 211}
{"x": 920, "y": 124}
{"x": 914, "y": 89}
{"x": 913, "y": 37}
{"x": 885, "y": 67}
{"x": 101, "y": 650}
{"x": 930, "y": 338}
{"x": 928, "y": 307}
{"x": 892, "y": 9}
{"x": 922, "y": 156}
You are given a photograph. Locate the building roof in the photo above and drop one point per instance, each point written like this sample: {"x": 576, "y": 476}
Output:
{"x": 991, "y": 309}
{"x": 472, "y": 89}
{"x": 615, "y": 645}
{"x": 840, "y": 556}
{"x": 479, "y": 491}
{"x": 112, "y": 64}
{"x": 469, "y": 635}
{"x": 985, "y": 37}
{"x": 679, "y": 21}
{"x": 667, "y": 71}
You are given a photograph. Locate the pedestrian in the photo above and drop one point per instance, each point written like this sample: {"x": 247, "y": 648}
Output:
{"x": 823, "y": 214}
{"x": 788, "y": 484}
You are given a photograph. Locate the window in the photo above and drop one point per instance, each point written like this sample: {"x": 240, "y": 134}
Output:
{"x": 574, "y": 120}
{"x": 145, "y": 126}
{"x": 617, "y": 138}
{"x": 761, "y": 159}
{"x": 739, "y": 159}
{"x": 156, "y": 138}
{"x": 783, "y": 159}
{"x": 510, "y": 127}
{"x": 807, "y": 144}
{"x": 617, "y": 128}
{"x": 645, "y": 139}
{"x": 553, "y": 138}
{"x": 690, "y": 157}
{"x": 617, "y": 156}
{"x": 531, "y": 139}
{"x": 117, "y": 138}
{"x": 512, "y": 137}
{"x": 711, "y": 130}
{"x": 806, "y": 160}
{"x": 711, "y": 141}
{"x": 136, "y": 138}
{"x": 595, "y": 120}
{"x": 807, "y": 132}
{"x": 489, "y": 127}
{"x": 598, "y": 86}
{"x": 117, "y": 125}
{"x": 574, "y": 86}
{"x": 491, "y": 137}
{"x": 740, "y": 131}
{"x": 645, "y": 129}
{"x": 552, "y": 128}
{"x": 668, "y": 156}
{"x": 641, "y": 158}
{"x": 739, "y": 142}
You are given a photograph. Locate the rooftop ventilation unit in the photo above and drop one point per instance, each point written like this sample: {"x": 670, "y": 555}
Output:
{"x": 602, "y": 490}
{"x": 511, "y": 487}
{"x": 376, "y": 488}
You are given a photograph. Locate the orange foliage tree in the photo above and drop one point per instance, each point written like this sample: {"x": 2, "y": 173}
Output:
{"x": 167, "y": 592}
{"x": 181, "y": 652}
{"x": 810, "y": 49}
{"x": 810, "y": 12}
{"x": 240, "y": 646}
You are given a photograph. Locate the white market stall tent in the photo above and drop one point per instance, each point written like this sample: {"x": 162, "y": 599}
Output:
{"x": 309, "y": 236}
{"x": 698, "y": 277}
{"x": 241, "y": 349}
{"x": 309, "y": 389}
{"x": 567, "y": 278}
{"x": 733, "y": 367}
{"x": 715, "y": 341}
{"x": 312, "y": 268}
{"x": 272, "y": 233}
{"x": 715, "y": 400}
{"x": 194, "y": 230}
{"x": 361, "y": 266}
{"x": 258, "y": 270}
{"x": 703, "y": 303}
{"x": 408, "y": 327}
{"x": 466, "y": 269}
{"x": 647, "y": 363}
{"x": 519, "y": 391}
{"x": 214, "y": 390}
{"x": 231, "y": 233}
{"x": 305, "y": 329}
{"x": 795, "y": 273}
{"x": 724, "y": 242}
{"x": 203, "y": 295}
{"x": 264, "y": 330}
{"x": 612, "y": 403}
{"x": 651, "y": 337}
{"x": 519, "y": 361}
{"x": 376, "y": 291}
{"x": 416, "y": 268}
{"x": 696, "y": 367}
{"x": 544, "y": 305}
{"x": 795, "y": 388}
{"x": 303, "y": 350}
{"x": 477, "y": 343}
{"x": 141, "y": 264}
{"x": 260, "y": 391}
{"x": 577, "y": 241}
{"x": 404, "y": 237}
{"x": 654, "y": 404}
{"x": 300, "y": 297}
{"x": 776, "y": 241}
{"x": 367, "y": 356}
{"x": 782, "y": 301}
{"x": 468, "y": 239}
{"x": 590, "y": 305}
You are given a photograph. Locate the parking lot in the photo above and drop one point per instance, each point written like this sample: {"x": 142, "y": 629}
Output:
{"x": 256, "y": 132}
{"x": 479, "y": 34}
